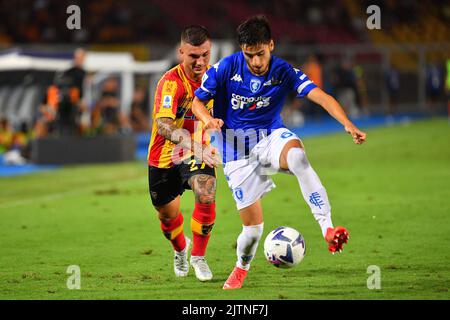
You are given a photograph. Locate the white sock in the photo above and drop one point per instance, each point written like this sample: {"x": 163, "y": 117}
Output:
{"x": 247, "y": 243}
{"x": 312, "y": 189}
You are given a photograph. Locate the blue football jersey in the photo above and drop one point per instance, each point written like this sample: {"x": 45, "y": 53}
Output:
{"x": 249, "y": 105}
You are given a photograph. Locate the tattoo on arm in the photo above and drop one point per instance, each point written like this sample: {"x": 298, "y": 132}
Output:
{"x": 166, "y": 128}
{"x": 204, "y": 187}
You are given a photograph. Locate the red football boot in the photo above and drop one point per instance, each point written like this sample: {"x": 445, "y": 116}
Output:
{"x": 236, "y": 279}
{"x": 336, "y": 237}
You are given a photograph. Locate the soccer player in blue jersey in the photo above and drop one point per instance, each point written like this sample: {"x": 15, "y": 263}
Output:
{"x": 249, "y": 89}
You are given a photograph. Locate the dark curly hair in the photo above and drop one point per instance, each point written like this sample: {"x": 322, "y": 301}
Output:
{"x": 254, "y": 31}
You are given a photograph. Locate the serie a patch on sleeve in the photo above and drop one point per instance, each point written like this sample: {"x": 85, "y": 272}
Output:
{"x": 167, "y": 101}
{"x": 168, "y": 93}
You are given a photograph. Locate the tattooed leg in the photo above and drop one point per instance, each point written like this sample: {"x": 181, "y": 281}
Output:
{"x": 204, "y": 187}
{"x": 202, "y": 222}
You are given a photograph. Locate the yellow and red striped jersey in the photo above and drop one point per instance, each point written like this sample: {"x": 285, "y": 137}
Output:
{"x": 173, "y": 99}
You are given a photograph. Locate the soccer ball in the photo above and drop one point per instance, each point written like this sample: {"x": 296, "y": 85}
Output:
{"x": 284, "y": 247}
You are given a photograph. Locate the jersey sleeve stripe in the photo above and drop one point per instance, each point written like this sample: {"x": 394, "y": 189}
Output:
{"x": 204, "y": 89}
{"x": 303, "y": 86}
{"x": 164, "y": 115}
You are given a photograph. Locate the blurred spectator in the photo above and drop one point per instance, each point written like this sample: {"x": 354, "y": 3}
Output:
{"x": 292, "y": 112}
{"x": 68, "y": 111}
{"x": 14, "y": 144}
{"x": 46, "y": 119}
{"x": 346, "y": 88}
{"x": 107, "y": 117}
{"x": 393, "y": 87}
{"x": 77, "y": 73}
{"x": 362, "y": 100}
{"x": 447, "y": 86}
{"x": 313, "y": 69}
{"x": 21, "y": 142}
{"x": 138, "y": 119}
{"x": 61, "y": 110}
{"x": 6, "y": 135}
{"x": 434, "y": 87}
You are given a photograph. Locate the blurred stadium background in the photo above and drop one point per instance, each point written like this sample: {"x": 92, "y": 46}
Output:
{"x": 390, "y": 192}
{"x": 401, "y": 69}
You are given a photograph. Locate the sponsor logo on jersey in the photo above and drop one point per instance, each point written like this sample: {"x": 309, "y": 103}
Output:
{"x": 255, "y": 84}
{"x": 237, "y": 78}
{"x": 250, "y": 103}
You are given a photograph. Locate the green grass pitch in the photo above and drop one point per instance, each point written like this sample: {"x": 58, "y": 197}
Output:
{"x": 392, "y": 193}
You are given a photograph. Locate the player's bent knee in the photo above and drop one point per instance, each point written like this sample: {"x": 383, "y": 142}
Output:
{"x": 167, "y": 213}
{"x": 254, "y": 232}
{"x": 297, "y": 160}
{"x": 172, "y": 228}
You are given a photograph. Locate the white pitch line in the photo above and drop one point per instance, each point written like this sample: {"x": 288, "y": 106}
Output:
{"x": 72, "y": 192}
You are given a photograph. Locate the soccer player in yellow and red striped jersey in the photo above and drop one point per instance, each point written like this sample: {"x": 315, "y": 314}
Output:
{"x": 180, "y": 157}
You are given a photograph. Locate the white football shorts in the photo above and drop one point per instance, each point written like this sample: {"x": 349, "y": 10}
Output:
{"x": 250, "y": 179}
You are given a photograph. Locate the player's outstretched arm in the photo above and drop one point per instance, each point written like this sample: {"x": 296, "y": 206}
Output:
{"x": 202, "y": 114}
{"x": 330, "y": 104}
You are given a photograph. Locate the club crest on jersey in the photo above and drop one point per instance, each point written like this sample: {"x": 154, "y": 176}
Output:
{"x": 255, "y": 84}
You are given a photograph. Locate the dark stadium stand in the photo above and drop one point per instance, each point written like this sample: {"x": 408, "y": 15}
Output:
{"x": 159, "y": 21}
